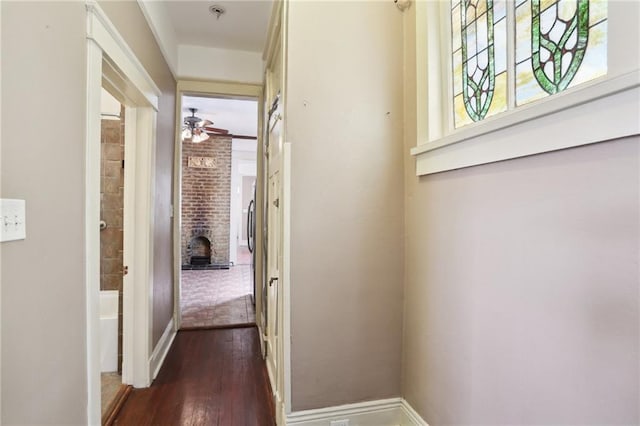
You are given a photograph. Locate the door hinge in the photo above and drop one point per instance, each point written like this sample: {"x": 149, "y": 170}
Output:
{"x": 125, "y": 270}
{"x": 276, "y": 202}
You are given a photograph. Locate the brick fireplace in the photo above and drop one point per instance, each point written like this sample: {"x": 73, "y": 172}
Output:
{"x": 206, "y": 199}
{"x": 199, "y": 252}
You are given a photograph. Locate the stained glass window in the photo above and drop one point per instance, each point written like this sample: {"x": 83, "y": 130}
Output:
{"x": 559, "y": 44}
{"x": 479, "y": 46}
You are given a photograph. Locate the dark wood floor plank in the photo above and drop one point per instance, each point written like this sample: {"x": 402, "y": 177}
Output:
{"x": 210, "y": 377}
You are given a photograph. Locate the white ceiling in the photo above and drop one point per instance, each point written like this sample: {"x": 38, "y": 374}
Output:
{"x": 239, "y": 33}
{"x": 242, "y": 27}
{"x": 239, "y": 117}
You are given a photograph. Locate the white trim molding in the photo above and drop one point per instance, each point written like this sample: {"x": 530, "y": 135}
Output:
{"x": 600, "y": 110}
{"x": 92, "y": 232}
{"x": 162, "y": 349}
{"x": 286, "y": 275}
{"x": 273, "y": 33}
{"x": 104, "y": 33}
{"x": 382, "y": 412}
{"x": 112, "y": 64}
{"x": 89, "y": 352}
{"x": 605, "y": 110}
{"x": 409, "y": 416}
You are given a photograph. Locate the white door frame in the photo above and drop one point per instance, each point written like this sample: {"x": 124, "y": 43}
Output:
{"x": 111, "y": 63}
{"x": 204, "y": 89}
{"x": 276, "y": 81}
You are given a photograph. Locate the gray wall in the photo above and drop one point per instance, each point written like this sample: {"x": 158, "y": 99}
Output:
{"x": 344, "y": 119}
{"x": 521, "y": 285}
{"x": 130, "y": 22}
{"x": 43, "y": 294}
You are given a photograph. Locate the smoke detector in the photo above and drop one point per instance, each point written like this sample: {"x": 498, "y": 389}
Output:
{"x": 217, "y": 10}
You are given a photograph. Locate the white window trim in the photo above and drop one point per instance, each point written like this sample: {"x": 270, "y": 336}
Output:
{"x": 604, "y": 109}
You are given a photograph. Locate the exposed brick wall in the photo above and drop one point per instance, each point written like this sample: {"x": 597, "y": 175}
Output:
{"x": 206, "y": 198}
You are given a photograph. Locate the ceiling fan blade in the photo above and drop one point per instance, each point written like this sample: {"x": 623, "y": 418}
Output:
{"x": 205, "y": 123}
{"x": 216, "y": 130}
{"x": 229, "y": 135}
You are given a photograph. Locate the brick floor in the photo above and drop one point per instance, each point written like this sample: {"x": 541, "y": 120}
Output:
{"x": 217, "y": 298}
{"x": 244, "y": 256}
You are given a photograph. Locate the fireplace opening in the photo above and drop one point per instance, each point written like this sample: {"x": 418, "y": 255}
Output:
{"x": 200, "y": 251}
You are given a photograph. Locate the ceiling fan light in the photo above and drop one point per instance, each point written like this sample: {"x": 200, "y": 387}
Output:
{"x": 199, "y": 137}
{"x": 186, "y": 134}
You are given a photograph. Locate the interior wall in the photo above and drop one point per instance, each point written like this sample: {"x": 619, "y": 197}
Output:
{"x": 521, "y": 292}
{"x": 159, "y": 19}
{"x": 344, "y": 118}
{"x": 44, "y": 378}
{"x": 209, "y": 63}
{"x": 131, "y": 23}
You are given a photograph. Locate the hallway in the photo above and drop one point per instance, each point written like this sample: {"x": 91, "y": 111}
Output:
{"x": 210, "y": 377}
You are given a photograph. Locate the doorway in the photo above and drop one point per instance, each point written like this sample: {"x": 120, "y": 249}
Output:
{"x": 113, "y": 66}
{"x": 218, "y": 169}
{"x": 111, "y": 247}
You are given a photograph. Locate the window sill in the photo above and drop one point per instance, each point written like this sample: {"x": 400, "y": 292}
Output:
{"x": 603, "y": 110}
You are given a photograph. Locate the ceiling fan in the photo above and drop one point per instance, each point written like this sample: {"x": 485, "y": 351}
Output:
{"x": 197, "y": 130}
{"x": 193, "y": 129}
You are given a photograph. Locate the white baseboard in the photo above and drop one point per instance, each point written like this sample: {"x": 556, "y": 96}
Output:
{"x": 161, "y": 349}
{"x": 409, "y": 416}
{"x": 383, "y": 412}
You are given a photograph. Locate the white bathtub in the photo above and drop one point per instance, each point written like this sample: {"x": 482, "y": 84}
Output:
{"x": 109, "y": 330}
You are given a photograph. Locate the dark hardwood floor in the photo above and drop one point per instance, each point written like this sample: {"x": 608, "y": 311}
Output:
{"x": 210, "y": 377}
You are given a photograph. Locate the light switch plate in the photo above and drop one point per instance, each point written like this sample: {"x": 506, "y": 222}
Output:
{"x": 13, "y": 224}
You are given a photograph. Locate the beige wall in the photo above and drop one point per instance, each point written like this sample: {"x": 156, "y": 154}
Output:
{"x": 130, "y": 22}
{"x": 344, "y": 119}
{"x": 43, "y": 304}
{"x": 43, "y": 293}
{"x": 522, "y": 290}
{"x": 521, "y": 297}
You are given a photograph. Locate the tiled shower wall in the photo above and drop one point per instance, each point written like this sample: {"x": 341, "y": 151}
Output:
{"x": 111, "y": 211}
{"x": 206, "y": 197}
{"x": 111, "y": 205}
